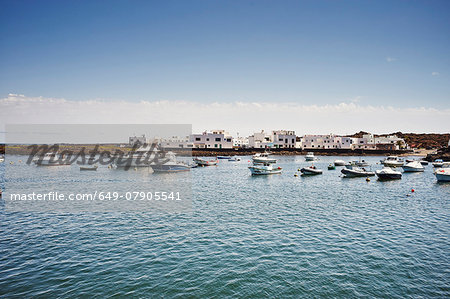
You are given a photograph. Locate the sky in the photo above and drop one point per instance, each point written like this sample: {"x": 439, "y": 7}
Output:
{"x": 283, "y": 64}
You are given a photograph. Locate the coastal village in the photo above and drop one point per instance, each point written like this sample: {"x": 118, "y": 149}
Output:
{"x": 279, "y": 139}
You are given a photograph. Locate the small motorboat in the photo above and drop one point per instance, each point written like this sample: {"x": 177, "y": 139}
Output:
{"x": 234, "y": 159}
{"x": 438, "y": 163}
{"x": 224, "y": 157}
{"x": 168, "y": 163}
{"x": 414, "y": 166}
{"x": 339, "y": 163}
{"x": 89, "y": 167}
{"x": 2, "y": 159}
{"x": 356, "y": 172}
{"x": 388, "y": 173}
{"x": 443, "y": 173}
{"x": 264, "y": 169}
{"x": 204, "y": 162}
{"x": 263, "y": 158}
{"x": 311, "y": 170}
{"x": 331, "y": 167}
{"x": 424, "y": 162}
{"x": 392, "y": 161}
{"x": 310, "y": 157}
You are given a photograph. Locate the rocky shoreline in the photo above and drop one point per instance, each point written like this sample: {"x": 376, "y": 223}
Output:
{"x": 442, "y": 153}
{"x": 116, "y": 148}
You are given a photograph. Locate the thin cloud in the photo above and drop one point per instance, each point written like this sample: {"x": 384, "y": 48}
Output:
{"x": 435, "y": 74}
{"x": 242, "y": 117}
{"x": 390, "y": 59}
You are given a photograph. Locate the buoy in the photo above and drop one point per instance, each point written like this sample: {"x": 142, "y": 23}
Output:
{"x": 298, "y": 169}
{"x": 367, "y": 179}
{"x": 412, "y": 190}
{"x": 295, "y": 174}
{"x": 135, "y": 168}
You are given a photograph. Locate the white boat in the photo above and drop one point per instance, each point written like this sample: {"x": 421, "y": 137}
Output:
{"x": 438, "y": 163}
{"x": 2, "y": 159}
{"x": 264, "y": 169}
{"x": 89, "y": 167}
{"x": 169, "y": 163}
{"x": 356, "y": 172}
{"x": 263, "y": 158}
{"x": 310, "y": 157}
{"x": 388, "y": 173}
{"x": 443, "y": 174}
{"x": 414, "y": 166}
{"x": 234, "y": 159}
{"x": 311, "y": 170}
{"x": 51, "y": 159}
{"x": 204, "y": 162}
{"x": 339, "y": 163}
{"x": 392, "y": 161}
{"x": 141, "y": 157}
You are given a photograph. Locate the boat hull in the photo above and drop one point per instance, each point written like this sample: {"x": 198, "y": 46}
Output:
{"x": 412, "y": 169}
{"x": 339, "y": 163}
{"x": 309, "y": 171}
{"x": 262, "y": 171}
{"x": 443, "y": 177}
{"x": 389, "y": 176}
{"x": 351, "y": 173}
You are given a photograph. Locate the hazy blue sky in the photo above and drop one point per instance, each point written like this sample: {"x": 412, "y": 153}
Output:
{"x": 307, "y": 52}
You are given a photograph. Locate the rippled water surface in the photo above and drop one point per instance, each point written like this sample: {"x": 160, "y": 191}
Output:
{"x": 276, "y": 236}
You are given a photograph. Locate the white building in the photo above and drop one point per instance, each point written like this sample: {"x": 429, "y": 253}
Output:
{"x": 284, "y": 139}
{"x": 330, "y": 141}
{"x": 214, "y": 139}
{"x": 260, "y": 140}
{"x": 176, "y": 142}
{"x": 240, "y": 142}
{"x": 392, "y": 139}
{"x": 137, "y": 140}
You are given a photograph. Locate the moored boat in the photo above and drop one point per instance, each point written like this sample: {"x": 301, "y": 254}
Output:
{"x": 392, "y": 161}
{"x": 443, "y": 173}
{"x": 2, "y": 159}
{"x": 89, "y": 167}
{"x": 168, "y": 163}
{"x": 310, "y": 157}
{"x": 264, "y": 169}
{"x": 224, "y": 157}
{"x": 424, "y": 162}
{"x": 204, "y": 162}
{"x": 263, "y": 158}
{"x": 388, "y": 173}
{"x": 339, "y": 163}
{"x": 356, "y": 172}
{"x": 311, "y": 170}
{"x": 414, "y": 166}
{"x": 438, "y": 163}
{"x": 331, "y": 167}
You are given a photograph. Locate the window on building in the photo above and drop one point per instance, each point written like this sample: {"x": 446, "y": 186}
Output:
{"x": 215, "y": 145}
{"x": 197, "y": 138}
{"x": 218, "y": 139}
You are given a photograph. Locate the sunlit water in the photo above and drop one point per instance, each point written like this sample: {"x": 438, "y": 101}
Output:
{"x": 273, "y": 236}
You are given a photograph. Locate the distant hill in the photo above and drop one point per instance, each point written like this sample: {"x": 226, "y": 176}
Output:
{"x": 415, "y": 140}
